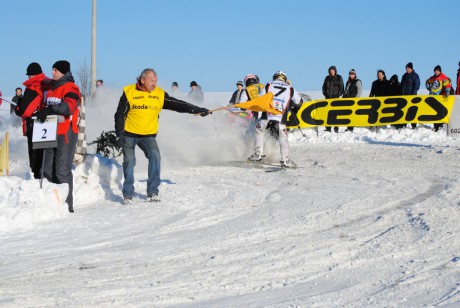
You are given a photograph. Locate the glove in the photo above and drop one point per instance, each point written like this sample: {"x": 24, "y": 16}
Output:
{"x": 201, "y": 111}
{"x": 119, "y": 141}
{"x": 447, "y": 93}
{"x": 44, "y": 113}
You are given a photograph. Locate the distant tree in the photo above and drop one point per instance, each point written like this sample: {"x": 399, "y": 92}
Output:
{"x": 83, "y": 80}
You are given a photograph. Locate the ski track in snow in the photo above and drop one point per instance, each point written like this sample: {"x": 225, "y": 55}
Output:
{"x": 364, "y": 223}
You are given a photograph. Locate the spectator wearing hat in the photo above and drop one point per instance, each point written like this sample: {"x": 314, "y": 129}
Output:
{"x": 438, "y": 84}
{"x": 332, "y": 88}
{"x": 195, "y": 95}
{"x": 410, "y": 84}
{"x": 27, "y": 104}
{"x": 457, "y": 90}
{"x": 353, "y": 88}
{"x": 237, "y": 94}
{"x": 63, "y": 99}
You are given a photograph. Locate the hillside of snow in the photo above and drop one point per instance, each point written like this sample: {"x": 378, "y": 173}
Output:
{"x": 370, "y": 218}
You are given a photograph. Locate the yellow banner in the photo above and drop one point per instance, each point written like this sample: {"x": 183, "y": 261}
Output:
{"x": 375, "y": 111}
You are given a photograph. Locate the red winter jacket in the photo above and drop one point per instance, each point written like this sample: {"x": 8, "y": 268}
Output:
{"x": 64, "y": 98}
{"x": 31, "y": 101}
{"x": 457, "y": 91}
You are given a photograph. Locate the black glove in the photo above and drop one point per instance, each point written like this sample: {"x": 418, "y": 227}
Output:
{"x": 201, "y": 111}
{"x": 119, "y": 141}
{"x": 44, "y": 113}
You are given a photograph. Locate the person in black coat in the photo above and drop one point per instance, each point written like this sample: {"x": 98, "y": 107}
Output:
{"x": 333, "y": 88}
{"x": 353, "y": 88}
{"x": 380, "y": 86}
{"x": 395, "y": 90}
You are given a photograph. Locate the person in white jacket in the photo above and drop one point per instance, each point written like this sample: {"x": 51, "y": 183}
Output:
{"x": 285, "y": 97}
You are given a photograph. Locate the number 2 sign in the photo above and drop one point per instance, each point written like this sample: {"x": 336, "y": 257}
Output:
{"x": 44, "y": 133}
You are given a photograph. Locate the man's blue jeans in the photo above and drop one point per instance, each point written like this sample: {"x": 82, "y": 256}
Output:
{"x": 150, "y": 148}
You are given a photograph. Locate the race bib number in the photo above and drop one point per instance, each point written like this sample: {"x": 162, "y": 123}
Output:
{"x": 45, "y": 132}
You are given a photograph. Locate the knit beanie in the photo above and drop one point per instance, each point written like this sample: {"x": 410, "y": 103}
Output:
{"x": 352, "y": 71}
{"x": 409, "y": 65}
{"x": 437, "y": 68}
{"x": 34, "y": 69}
{"x": 62, "y": 66}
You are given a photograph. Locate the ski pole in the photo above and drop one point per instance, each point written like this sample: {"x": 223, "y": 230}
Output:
{"x": 305, "y": 136}
{"x": 14, "y": 104}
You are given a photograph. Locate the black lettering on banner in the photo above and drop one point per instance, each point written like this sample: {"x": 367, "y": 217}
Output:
{"x": 372, "y": 113}
{"x": 412, "y": 110}
{"x": 44, "y": 133}
{"x": 281, "y": 90}
{"x": 441, "y": 110}
{"x": 306, "y": 113}
{"x": 334, "y": 114}
{"x": 396, "y": 110}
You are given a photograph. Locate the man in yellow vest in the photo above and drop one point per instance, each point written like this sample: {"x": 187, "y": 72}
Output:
{"x": 136, "y": 123}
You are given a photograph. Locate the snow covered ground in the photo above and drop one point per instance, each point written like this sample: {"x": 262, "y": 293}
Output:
{"x": 370, "y": 218}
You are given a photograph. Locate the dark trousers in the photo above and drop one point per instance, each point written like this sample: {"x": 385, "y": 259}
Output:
{"x": 35, "y": 156}
{"x": 58, "y": 163}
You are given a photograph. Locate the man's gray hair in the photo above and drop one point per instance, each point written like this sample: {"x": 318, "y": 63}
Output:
{"x": 145, "y": 72}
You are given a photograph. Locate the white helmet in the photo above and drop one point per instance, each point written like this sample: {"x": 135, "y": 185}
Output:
{"x": 280, "y": 75}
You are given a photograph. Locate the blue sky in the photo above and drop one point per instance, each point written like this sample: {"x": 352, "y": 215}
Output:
{"x": 217, "y": 43}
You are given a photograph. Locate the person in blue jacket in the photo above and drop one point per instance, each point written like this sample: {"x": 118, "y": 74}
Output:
{"x": 410, "y": 83}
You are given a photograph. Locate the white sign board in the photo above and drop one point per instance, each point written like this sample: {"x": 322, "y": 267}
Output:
{"x": 44, "y": 134}
{"x": 453, "y": 128}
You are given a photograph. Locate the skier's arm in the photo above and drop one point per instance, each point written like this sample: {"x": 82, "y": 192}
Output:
{"x": 296, "y": 99}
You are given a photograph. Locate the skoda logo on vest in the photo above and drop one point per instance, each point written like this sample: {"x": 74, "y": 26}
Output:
{"x": 143, "y": 106}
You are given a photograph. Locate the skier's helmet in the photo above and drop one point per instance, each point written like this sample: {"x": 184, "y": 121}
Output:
{"x": 280, "y": 75}
{"x": 250, "y": 79}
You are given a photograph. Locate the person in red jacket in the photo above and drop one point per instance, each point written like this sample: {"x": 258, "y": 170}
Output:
{"x": 438, "y": 84}
{"x": 457, "y": 91}
{"x": 27, "y": 105}
{"x": 63, "y": 99}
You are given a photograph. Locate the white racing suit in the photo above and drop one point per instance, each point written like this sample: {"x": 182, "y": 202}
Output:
{"x": 284, "y": 96}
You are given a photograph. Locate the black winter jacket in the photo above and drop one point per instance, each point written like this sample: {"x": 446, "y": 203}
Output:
{"x": 380, "y": 88}
{"x": 333, "y": 86}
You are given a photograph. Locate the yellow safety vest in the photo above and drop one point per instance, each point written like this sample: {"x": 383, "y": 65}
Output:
{"x": 254, "y": 90}
{"x": 144, "y": 110}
